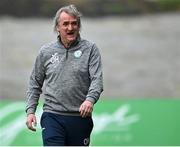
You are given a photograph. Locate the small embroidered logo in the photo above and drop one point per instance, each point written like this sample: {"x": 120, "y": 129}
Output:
{"x": 78, "y": 53}
{"x": 54, "y": 58}
{"x": 86, "y": 141}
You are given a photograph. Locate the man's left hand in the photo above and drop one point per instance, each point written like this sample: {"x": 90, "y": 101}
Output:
{"x": 86, "y": 108}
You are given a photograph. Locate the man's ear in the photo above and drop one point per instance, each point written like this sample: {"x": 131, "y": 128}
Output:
{"x": 57, "y": 29}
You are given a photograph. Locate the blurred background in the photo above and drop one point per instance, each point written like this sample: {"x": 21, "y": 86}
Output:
{"x": 139, "y": 41}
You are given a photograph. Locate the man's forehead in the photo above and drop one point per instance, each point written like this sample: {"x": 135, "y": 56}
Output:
{"x": 69, "y": 20}
{"x": 67, "y": 17}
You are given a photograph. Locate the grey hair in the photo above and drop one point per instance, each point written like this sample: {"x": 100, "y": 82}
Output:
{"x": 70, "y": 9}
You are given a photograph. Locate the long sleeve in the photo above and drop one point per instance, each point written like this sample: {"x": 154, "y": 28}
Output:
{"x": 96, "y": 76}
{"x": 35, "y": 84}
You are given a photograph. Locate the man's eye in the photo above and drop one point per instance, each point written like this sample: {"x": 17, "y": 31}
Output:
{"x": 74, "y": 23}
{"x": 65, "y": 23}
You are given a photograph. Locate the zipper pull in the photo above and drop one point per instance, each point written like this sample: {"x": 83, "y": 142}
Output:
{"x": 66, "y": 54}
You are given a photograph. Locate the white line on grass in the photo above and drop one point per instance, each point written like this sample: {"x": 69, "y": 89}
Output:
{"x": 10, "y": 108}
{"x": 10, "y": 131}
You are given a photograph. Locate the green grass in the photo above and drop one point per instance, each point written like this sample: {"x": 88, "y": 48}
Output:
{"x": 116, "y": 122}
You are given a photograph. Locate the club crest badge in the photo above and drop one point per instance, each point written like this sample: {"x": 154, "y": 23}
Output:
{"x": 78, "y": 54}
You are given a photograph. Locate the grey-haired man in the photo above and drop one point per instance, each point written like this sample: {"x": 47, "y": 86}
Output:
{"x": 71, "y": 70}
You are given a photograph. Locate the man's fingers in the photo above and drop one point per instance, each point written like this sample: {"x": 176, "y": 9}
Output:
{"x": 81, "y": 110}
{"x": 29, "y": 125}
{"x": 85, "y": 111}
{"x": 34, "y": 121}
{"x": 31, "y": 122}
{"x": 86, "y": 108}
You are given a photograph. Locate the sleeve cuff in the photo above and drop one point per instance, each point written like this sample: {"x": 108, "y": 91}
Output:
{"x": 91, "y": 100}
{"x": 30, "y": 111}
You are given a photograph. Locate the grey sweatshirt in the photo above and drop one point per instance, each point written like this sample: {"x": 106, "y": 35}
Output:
{"x": 70, "y": 76}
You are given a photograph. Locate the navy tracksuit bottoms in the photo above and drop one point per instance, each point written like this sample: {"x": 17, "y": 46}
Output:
{"x": 60, "y": 130}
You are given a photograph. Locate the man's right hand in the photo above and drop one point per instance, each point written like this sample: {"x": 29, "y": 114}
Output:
{"x": 31, "y": 122}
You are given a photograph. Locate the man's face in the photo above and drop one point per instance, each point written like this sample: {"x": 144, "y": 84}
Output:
{"x": 68, "y": 28}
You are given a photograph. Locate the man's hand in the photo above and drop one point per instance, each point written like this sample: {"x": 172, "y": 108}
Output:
{"x": 31, "y": 122}
{"x": 86, "y": 108}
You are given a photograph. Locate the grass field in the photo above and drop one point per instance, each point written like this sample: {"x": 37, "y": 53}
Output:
{"x": 117, "y": 122}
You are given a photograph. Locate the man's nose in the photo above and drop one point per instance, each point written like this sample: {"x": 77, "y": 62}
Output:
{"x": 70, "y": 27}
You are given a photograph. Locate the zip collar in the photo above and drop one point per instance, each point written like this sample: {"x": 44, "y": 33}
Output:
{"x": 72, "y": 45}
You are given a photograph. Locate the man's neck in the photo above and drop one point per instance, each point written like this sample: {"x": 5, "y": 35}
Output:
{"x": 66, "y": 44}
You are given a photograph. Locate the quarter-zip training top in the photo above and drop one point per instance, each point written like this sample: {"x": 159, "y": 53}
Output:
{"x": 70, "y": 77}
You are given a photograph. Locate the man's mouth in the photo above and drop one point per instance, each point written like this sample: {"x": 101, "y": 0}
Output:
{"x": 70, "y": 33}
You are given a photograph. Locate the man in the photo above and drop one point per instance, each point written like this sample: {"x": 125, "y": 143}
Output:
{"x": 71, "y": 71}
